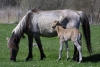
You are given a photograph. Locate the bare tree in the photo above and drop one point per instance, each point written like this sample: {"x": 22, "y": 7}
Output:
{"x": 90, "y": 7}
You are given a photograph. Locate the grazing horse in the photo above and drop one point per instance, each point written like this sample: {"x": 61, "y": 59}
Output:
{"x": 66, "y": 35}
{"x": 37, "y": 23}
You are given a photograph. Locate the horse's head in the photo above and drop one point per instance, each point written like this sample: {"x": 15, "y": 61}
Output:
{"x": 13, "y": 46}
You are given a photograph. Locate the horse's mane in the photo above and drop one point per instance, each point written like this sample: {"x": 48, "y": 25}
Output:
{"x": 19, "y": 29}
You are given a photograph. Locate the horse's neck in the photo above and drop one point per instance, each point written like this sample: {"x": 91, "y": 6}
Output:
{"x": 19, "y": 29}
{"x": 59, "y": 29}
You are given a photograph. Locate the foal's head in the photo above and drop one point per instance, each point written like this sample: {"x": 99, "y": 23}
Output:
{"x": 56, "y": 23}
{"x": 56, "y": 26}
{"x": 13, "y": 46}
{"x": 53, "y": 26}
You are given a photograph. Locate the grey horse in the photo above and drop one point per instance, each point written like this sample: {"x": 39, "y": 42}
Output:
{"x": 38, "y": 23}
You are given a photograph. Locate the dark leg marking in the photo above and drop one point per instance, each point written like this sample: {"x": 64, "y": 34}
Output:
{"x": 30, "y": 40}
{"x": 38, "y": 41}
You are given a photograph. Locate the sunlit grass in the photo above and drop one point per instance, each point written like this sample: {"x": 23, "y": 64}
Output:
{"x": 51, "y": 48}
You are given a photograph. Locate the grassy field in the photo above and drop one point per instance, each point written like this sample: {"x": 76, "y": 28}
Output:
{"x": 51, "y": 47}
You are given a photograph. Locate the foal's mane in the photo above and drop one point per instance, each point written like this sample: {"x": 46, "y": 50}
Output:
{"x": 59, "y": 28}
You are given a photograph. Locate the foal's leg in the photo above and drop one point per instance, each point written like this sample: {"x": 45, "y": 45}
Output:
{"x": 60, "y": 50}
{"x": 38, "y": 41}
{"x": 30, "y": 40}
{"x": 79, "y": 49}
{"x": 66, "y": 43}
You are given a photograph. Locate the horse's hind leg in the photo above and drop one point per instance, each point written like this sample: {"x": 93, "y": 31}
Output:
{"x": 79, "y": 50}
{"x": 30, "y": 39}
{"x": 38, "y": 41}
{"x": 76, "y": 54}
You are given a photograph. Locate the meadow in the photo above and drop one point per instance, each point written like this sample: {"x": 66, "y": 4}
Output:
{"x": 51, "y": 48}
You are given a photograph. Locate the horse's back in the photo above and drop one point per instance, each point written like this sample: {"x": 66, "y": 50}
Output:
{"x": 44, "y": 19}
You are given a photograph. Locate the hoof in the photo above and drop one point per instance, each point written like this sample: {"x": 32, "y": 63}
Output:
{"x": 29, "y": 58}
{"x": 42, "y": 57}
{"x": 58, "y": 59}
{"x": 67, "y": 59}
{"x": 13, "y": 59}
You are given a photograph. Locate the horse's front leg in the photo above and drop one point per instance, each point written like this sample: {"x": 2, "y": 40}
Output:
{"x": 30, "y": 41}
{"x": 38, "y": 41}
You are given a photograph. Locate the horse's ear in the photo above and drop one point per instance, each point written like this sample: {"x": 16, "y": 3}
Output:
{"x": 56, "y": 22}
{"x": 7, "y": 38}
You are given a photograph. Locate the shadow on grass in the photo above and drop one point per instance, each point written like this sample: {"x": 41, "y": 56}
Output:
{"x": 92, "y": 58}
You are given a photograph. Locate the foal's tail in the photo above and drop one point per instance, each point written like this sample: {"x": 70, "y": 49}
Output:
{"x": 86, "y": 30}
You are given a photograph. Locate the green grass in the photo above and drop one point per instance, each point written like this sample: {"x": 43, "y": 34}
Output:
{"x": 51, "y": 47}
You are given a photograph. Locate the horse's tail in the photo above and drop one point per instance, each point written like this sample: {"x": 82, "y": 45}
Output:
{"x": 86, "y": 30}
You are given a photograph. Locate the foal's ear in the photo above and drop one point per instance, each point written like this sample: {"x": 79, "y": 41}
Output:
{"x": 57, "y": 22}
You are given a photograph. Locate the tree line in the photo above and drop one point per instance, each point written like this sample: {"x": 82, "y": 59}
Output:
{"x": 90, "y": 7}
